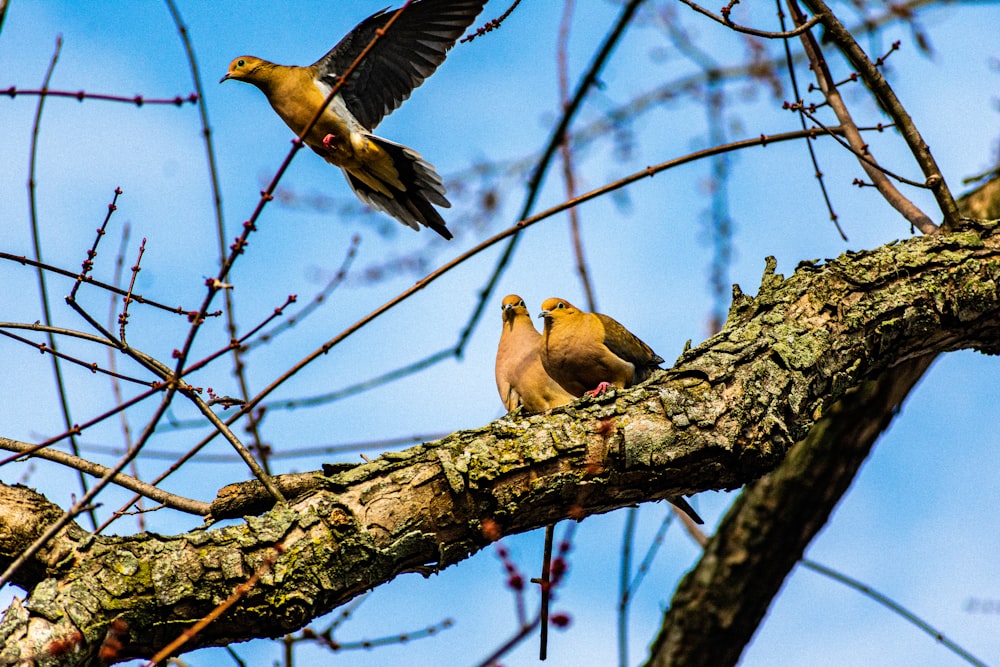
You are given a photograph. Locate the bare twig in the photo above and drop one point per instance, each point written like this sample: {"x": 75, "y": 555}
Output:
{"x": 725, "y": 20}
{"x": 790, "y": 64}
{"x": 116, "y": 388}
{"x": 36, "y": 240}
{"x": 96, "y": 470}
{"x": 123, "y": 318}
{"x": 47, "y": 348}
{"x": 896, "y": 199}
{"x": 895, "y": 607}
{"x": 80, "y": 96}
{"x": 566, "y": 153}
{"x": 584, "y": 86}
{"x": 88, "y": 264}
{"x": 490, "y": 25}
{"x": 840, "y": 36}
{"x": 138, "y": 298}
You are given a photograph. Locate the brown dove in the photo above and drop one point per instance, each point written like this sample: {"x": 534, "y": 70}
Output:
{"x": 521, "y": 380}
{"x": 383, "y": 174}
{"x": 590, "y": 352}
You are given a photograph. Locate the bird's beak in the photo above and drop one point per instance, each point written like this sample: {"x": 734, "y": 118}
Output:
{"x": 224, "y": 78}
{"x": 543, "y": 313}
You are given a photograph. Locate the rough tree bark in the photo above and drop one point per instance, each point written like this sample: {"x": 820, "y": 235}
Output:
{"x": 726, "y": 413}
{"x": 720, "y": 603}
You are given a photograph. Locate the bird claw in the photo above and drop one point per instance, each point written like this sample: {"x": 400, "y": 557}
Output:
{"x": 599, "y": 389}
{"x": 330, "y": 141}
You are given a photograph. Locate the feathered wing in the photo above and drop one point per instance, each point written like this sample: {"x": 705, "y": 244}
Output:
{"x": 408, "y": 53}
{"x": 423, "y": 187}
{"x": 626, "y": 345}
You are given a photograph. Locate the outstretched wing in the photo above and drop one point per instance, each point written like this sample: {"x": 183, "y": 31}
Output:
{"x": 409, "y": 52}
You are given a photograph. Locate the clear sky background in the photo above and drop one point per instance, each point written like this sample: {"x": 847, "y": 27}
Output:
{"x": 920, "y": 523}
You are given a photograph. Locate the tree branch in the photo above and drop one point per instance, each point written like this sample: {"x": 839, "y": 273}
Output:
{"x": 727, "y": 413}
{"x": 721, "y": 602}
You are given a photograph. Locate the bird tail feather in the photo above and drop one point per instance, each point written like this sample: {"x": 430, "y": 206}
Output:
{"x": 422, "y": 188}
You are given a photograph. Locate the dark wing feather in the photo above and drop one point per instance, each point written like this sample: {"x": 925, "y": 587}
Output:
{"x": 626, "y": 345}
{"x": 408, "y": 53}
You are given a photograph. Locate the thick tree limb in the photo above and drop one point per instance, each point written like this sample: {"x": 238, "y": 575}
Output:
{"x": 720, "y": 603}
{"x": 725, "y": 414}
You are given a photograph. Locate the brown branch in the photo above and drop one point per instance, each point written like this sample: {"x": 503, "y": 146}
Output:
{"x": 138, "y": 298}
{"x": 80, "y": 96}
{"x": 724, "y": 20}
{"x": 896, "y": 199}
{"x": 860, "y": 61}
{"x": 719, "y": 604}
{"x": 728, "y": 411}
{"x": 170, "y": 500}
{"x": 648, "y": 172}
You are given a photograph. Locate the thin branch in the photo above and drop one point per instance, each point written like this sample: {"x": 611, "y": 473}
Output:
{"x": 97, "y": 470}
{"x": 892, "y": 195}
{"x": 36, "y": 240}
{"x": 138, "y": 298}
{"x": 839, "y": 35}
{"x": 297, "y": 453}
{"x": 724, "y": 20}
{"x": 116, "y": 387}
{"x": 895, "y": 607}
{"x": 586, "y": 83}
{"x": 80, "y": 96}
{"x": 47, "y": 348}
{"x": 84, "y": 504}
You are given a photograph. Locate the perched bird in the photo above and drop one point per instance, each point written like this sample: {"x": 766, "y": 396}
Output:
{"x": 581, "y": 350}
{"x": 521, "y": 380}
{"x": 589, "y": 352}
{"x": 383, "y": 174}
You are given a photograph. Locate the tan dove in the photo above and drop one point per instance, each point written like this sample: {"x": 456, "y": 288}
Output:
{"x": 383, "y": 174}
{"x": 521, "y": 380}
{"x": 589, "y": 352}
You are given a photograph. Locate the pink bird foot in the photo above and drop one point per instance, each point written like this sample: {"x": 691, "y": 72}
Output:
{"x": 599, "y": 389}
{"x": 330, "y": 141}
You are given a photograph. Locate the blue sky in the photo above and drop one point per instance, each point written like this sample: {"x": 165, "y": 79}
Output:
{"x": 920, "y": 522}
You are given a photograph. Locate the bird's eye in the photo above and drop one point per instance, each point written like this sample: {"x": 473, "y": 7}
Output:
{"x": 521, "y": 303}
{"x": 560, "y": 305}
{"x": 241, "y": 62}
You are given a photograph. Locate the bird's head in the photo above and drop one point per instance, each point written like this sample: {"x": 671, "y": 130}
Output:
{"x": 554, "y": 309}
{"x": 244, "y": 68}
{"x": 512, "y": 306}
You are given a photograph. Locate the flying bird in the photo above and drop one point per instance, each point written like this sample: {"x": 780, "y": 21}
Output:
{"x": 521, "y": 379}
{"x": 385, "y": 175}
{"x": 590, "y": 352}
